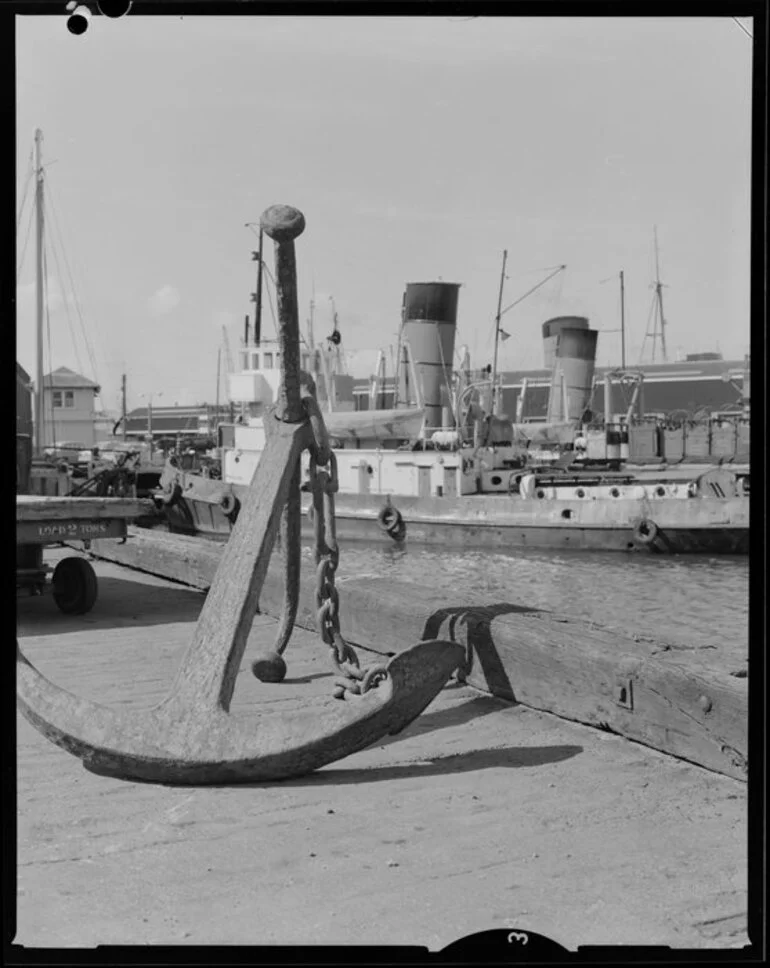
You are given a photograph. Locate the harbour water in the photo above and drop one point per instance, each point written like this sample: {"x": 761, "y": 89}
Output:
{"x": 698, "y": 600}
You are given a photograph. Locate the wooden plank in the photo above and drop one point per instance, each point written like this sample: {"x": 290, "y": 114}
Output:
{"x": 32, "y": 507}
{"x": 680, "y": 701}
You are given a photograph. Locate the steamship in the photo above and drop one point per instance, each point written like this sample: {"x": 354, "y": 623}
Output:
{"x": 444, "y": 465}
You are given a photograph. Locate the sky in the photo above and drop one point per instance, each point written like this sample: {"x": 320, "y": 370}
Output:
{"x": 417, "y": 148}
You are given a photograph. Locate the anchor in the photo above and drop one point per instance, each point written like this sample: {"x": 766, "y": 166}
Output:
{"x": 190, "y": 737}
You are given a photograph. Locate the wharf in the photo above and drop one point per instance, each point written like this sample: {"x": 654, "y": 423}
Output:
{"x": 682, "y": 698}
{"x": 481, "y": 814}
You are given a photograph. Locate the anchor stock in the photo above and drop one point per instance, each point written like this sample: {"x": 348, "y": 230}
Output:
{"x": 190, "y": 736}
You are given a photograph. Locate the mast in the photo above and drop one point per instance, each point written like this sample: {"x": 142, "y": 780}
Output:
{"x": 400, "y": 372}
{"x": 219, "y": 370}
{"x": 39, "y": 430}
{"x": 497, "y": 333}
{"x": 622, "y": 321}
{"x": 659, "y": 295}
{"x": 257, "y": 297}
{"x": 123, "y": 404}
{"x": 310, "y": 334}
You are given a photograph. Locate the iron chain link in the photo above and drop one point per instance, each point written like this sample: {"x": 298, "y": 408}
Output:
{"x": 324, "y": 484}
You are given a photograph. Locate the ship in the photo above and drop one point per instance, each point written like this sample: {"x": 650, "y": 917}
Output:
{"x": 445, "y": 466}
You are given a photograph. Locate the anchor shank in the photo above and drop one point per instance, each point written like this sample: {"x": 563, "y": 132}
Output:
{"x": 206, "y": 678}
{"x": 289, "y": 405}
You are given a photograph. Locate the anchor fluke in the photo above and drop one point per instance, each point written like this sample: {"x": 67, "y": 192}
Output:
{"x": 149, "y": 745}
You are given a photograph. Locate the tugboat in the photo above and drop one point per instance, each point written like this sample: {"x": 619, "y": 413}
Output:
{"x": 441, "y": 466}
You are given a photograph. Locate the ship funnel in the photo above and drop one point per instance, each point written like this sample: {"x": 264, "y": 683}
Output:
{"x": 429, "y": 327}
{"x": 573, "y": 356}
{"x": 551, "y": 330}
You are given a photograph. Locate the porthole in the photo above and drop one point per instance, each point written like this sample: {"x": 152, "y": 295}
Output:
{"x": 567, "y": 513}
{"x": 660, "y": 491}
{"x": 496, "y": 480}
{"x": 614, "y": 492}
{"x": 580, "y": 492}
{"x": 540, "y": 493}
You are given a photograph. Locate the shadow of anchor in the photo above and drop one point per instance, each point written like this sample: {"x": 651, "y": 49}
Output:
{"x": 480, "y": 643}
{"x": 469, "y": 761}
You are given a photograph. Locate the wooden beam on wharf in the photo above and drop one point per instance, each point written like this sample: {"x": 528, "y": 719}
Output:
{"x": 677, "y": 700}
{"x": 33, "y": 507}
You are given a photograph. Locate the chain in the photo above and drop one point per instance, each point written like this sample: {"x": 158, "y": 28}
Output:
{"x": 324, "y": 484}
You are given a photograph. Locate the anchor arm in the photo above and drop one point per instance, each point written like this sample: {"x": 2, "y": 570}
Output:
{"x": 206, "y": 678}
{"x": 143, "y": 745}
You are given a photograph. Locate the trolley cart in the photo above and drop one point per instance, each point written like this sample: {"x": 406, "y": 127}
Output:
{"x": 45, "y": 521}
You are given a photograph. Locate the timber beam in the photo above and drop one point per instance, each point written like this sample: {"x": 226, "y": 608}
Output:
{"x": 674, "y": 699}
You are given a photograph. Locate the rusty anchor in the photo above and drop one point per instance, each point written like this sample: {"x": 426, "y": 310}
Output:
{"x": 190, "y": 736}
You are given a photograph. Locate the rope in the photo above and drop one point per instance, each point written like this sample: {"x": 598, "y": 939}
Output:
{"x": 647, "y": 330}
{"x": 30, "y": 170}
{"x": 89, "y": 350}
{"x": 269, "y": 299}
{"x": 66, "y": 307}
{"x": 26, "y": 240}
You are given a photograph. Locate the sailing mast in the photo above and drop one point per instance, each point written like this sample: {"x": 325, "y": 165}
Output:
{"x": 622, "y": 320}
{"x": 257, "y": 296}
{"x": 39, "y": 432}
{"x": 659, "y": 296}
{"x": 123, "y": 411}
{"x": 497, "y": 333}
{"x": 310, "y": 334}
{"x": 219, "y": 372}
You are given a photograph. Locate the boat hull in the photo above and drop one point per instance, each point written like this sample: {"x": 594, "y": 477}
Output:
{"x": 696, "y": 526}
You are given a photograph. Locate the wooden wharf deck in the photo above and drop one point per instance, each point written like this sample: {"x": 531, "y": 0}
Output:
{"x": 481, "y": 814}
{"x": 677, "y": 697}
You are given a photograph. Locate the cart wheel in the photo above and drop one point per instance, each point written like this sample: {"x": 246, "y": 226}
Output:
{"x": 74, "y": 586}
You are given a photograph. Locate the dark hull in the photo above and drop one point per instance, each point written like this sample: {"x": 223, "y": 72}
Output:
{"x": 437, "y": 521}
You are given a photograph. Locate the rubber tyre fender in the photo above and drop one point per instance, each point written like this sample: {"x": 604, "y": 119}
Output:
{"x": 391, "y": 522}
{"x": 75, "y": 586}
{"x": 230, "y": 506}
{"x": 387, "y": 517}
{"x": 645, "y": 532}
